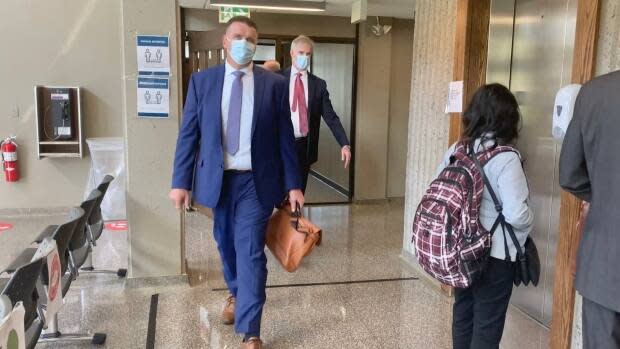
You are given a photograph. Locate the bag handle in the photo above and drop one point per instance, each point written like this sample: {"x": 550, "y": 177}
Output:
{"x": 297, "y": 215}
{"x": 498, "y": 207}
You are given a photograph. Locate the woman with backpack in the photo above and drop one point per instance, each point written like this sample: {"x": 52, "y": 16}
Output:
{"x": 491, "y": 123}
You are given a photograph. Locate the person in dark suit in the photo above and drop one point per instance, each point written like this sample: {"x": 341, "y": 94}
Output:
{"x": 590, "y": 169}
{"x": 309, "y": 100}
{"x": 236, "y": 153}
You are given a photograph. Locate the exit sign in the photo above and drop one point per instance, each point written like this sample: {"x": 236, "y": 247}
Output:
{"x": 226, "y": 13}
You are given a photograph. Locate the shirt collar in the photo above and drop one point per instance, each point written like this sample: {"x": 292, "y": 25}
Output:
{"x": 247, "y": 70}
{"x": 295, "y": 71}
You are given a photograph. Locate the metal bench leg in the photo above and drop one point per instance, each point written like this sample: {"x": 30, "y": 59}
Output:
{"x": 53, "y": 335}
{"x": 88, "y": 268}
{"x": 88, "y": 264}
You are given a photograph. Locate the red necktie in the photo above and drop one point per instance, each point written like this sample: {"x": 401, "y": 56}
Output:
{"x": 299, "y": 100}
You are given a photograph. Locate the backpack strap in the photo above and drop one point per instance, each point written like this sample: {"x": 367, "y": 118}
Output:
{"x": 501, "y": 220}
{"x": 486, "y": 155}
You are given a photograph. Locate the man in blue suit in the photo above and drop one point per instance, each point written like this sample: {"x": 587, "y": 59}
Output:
{"x": 236, "y": 153}
{"x": 309, "y": 100}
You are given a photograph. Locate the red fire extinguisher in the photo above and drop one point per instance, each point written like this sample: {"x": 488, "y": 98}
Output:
{"x": 8, "y": 149}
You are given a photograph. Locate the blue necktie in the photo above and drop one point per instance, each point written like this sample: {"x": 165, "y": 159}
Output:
{"x": 233, "y": 124}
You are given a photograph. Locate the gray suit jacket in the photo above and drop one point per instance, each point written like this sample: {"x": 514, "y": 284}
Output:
{"x": 590, "y": 169}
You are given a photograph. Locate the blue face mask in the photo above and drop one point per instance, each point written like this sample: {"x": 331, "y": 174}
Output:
{"x": 302, "y": 62}
{"x": 241, "y": 51}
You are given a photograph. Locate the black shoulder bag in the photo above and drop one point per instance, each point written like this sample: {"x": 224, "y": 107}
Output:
{"x": 527, "y": 266}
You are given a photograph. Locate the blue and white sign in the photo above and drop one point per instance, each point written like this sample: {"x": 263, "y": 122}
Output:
{"x": 153, "y": 55}
{"x": 153, "y": 98}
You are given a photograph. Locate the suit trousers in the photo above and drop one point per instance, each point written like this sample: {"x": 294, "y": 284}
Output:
{"x": 240, "y": 224}
{"x": 302, "y": 156}
{"x": 601, "y": 326}
{"x": 479, "y": 311}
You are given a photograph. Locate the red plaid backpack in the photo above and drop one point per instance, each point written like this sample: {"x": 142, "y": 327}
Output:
{"x": 450, "y": 243}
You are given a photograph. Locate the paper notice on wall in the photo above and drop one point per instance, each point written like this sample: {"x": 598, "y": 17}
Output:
{"x": 153, "y": 98}
{"x": 153, "y": 55}
{"x": 455, "y": 98}
{"x": 12, "y": 334}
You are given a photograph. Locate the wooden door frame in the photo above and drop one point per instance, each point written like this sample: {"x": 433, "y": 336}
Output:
{"x": 470, "y": 54}
{"x": 583, "y": 70}
{"x": 470, "y": 60}
{"x": 471, "y": 43}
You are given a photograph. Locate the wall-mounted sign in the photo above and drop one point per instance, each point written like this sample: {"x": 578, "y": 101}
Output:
{"x": 153, "y": 98}
{"x": 153, "y": 55}
{"x": 226, "y": 13}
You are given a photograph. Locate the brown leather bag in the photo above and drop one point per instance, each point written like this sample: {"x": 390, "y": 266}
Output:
{"x": 291, "y": 237}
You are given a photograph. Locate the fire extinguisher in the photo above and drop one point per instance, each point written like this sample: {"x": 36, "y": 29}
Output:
{"x": 8, "y": 149}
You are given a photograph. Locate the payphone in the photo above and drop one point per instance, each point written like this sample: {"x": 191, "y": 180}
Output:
{"x": 60, "y": 113}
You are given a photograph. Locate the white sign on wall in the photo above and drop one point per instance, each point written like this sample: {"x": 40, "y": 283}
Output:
{"x": 153, "y": 55}
{"x": 153, "y": 98}
{"x": 455, "y": 98}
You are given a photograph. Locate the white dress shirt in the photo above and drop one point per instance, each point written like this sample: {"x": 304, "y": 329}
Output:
{"x": 295, "y": 114}
{"x": 242, "y": 160}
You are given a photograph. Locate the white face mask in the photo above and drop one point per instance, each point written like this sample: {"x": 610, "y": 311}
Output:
{"x": 302, "y": 62}
{"x": 242, "y": 51}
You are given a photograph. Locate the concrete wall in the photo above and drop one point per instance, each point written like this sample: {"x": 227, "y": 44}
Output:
{"x": 91, "y": 43}
{"x": 384, "y": 81}
{"x": 155, "y": 230}
{"x": 61, "y": 42}
{"x": 400, "y": 91}
{"x": 373, "y": 110}
{"x": 608, "y": 57}
{"x": 428, "y": 124}
{"x": 384, "y": 84}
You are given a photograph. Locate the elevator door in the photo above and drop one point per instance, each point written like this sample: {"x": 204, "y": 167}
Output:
{"x": 530, "y": 50}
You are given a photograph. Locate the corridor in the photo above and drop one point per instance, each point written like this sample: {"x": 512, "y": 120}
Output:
{"x": 354, "y": 291}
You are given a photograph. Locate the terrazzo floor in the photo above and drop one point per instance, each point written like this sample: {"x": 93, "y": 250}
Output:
{"x": 362, "y": 295}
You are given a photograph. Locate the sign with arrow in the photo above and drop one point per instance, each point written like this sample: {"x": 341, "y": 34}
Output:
{"x": 226, "y": 13}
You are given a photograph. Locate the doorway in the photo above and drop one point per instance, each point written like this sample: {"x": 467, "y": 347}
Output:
{"x": 334, "y": 60}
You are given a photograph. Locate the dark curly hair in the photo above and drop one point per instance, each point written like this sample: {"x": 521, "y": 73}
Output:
{"x": 492, "y": 114}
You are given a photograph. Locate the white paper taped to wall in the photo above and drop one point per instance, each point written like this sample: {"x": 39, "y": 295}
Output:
{"x": 455, "y": 98}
